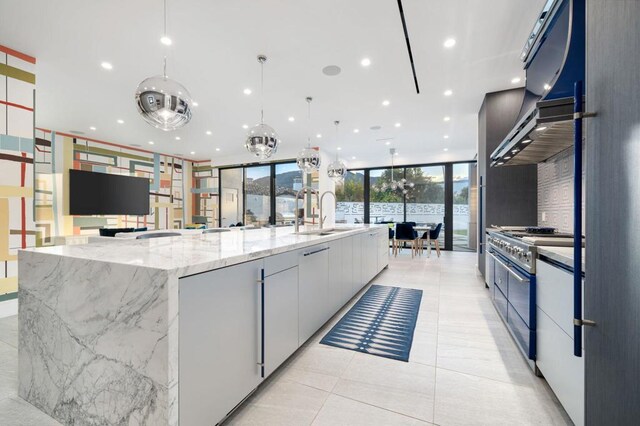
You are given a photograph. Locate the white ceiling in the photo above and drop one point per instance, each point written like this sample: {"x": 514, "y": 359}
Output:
{"x": 214, "y": 50}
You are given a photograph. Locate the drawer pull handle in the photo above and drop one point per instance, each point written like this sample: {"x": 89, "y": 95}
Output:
{"x": 317, "y": 251}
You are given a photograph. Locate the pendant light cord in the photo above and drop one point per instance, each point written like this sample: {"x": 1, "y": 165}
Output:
{"x": 309, "y": 121}
{"x": 165, "y": 18}
{"x": 337, "y": 123}
{"x": 262, "y": 92}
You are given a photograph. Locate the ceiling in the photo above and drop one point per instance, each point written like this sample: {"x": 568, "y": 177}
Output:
{"x": 215, "y": 44}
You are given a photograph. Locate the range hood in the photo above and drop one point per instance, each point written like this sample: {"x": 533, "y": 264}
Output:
{"x": 554, "y": 59}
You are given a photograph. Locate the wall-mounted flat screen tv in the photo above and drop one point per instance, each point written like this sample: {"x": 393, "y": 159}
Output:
{"x": 92, "y": 193}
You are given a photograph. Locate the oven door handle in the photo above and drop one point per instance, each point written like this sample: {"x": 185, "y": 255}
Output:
{"x": 504, "y": 265}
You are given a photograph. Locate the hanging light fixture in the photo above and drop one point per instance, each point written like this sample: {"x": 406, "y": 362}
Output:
{"x": 337, "y": 169}
{"x": 162, "y": 102}
{"x": 308, "y": 159}
{"x": 402, "y": 185}
{"x": 262, "y": 141}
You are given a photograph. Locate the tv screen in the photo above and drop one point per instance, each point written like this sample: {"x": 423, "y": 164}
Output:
{"x": 101, "y": 193}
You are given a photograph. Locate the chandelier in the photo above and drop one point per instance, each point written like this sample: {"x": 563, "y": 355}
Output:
{"x": 262, "y": 141}
{"x": 401, "y": 185}
{"x": 162, "y": 102}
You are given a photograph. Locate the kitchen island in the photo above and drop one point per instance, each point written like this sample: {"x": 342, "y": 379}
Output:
{"x": 178, "y": 330}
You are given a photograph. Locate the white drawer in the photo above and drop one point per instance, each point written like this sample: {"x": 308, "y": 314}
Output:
{"x": 555, "y": 294}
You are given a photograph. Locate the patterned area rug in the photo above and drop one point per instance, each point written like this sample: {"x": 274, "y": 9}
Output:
{"x": 380, "y": 323}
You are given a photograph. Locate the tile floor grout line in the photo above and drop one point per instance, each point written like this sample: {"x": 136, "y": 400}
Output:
{"x": 382, "y": 408}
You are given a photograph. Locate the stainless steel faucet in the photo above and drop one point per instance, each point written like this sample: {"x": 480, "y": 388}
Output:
{"x": 321, "y": 199}
{"x": 303, "y": 190}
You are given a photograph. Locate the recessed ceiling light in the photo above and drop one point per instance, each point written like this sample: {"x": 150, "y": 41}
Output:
{"x": 446, "y": 136}
{"x": 106, "y": 65}
{"x": 195, "y": 104}
{"x": 339, "y": 149}
{"x": 120, "y": 121}
{"x": 541, "y": 128}
{"x": 92, "y": 128}
{"x": 396, "y": 153}
{"x": 506, "y": 158}
{"x": 448, "y": 92}
{"x": 177, "y": 138}
{"x": 208, "y": 132}
{"x": 353, "y": 158}
{"x": 318, "y": 136}
{"x": 526, "y": 141}
{"x": 292, "y": 119}
{"x": 247, "y": 91}
{"x": 387, "y": 143}
{"x": 356, "y": 130}
{"x": 365, "y": 62}
{"x": 546, "y": 86}
{"x": 398, "y": 124}
{"x": 385, "y": 103}
{"x": 217, "y": 149}
{"x": 449, "y": 43}
{"x": 193, "y": 152}
{"x": 165, "y": 40}
{"x": 151, "y": 142}
{"x": 500, "y": 163}
{"x": 446, "y": 149}
{"x": 515, "y": 80}
{"x": 447, "y": 118}
{"x": 245, "y": 126}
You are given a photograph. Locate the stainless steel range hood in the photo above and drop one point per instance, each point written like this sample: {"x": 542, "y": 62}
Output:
{"x": 554, "y": 59}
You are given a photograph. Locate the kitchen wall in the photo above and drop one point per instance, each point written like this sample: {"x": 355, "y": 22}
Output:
{"x": 17, "y": 84}
{"x": 555, "y": 191}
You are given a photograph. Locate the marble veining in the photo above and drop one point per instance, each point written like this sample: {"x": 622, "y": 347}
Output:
{"x": 98, "y": 323}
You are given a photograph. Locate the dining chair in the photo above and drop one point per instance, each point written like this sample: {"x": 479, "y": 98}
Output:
{"x": 432, "y": 237}
{"x": 405, "y": 234}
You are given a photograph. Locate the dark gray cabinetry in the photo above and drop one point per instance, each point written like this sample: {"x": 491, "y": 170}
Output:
{"x": 509, "y": 194}
{"x": 612, "y": 283}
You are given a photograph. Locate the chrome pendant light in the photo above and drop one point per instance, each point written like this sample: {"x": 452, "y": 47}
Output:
{"x": 337, "y": 169}
{"x": 262, "y": 141}
{"x": 308, "y": 160}
{"x": 162, "y": 102}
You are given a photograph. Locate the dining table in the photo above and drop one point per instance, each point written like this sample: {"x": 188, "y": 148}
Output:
{"x": 420, "y": 229}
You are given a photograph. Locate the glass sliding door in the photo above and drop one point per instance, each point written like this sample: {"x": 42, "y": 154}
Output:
{"x": 464, "y": 238}
{"x": 350, "y": 198}
{"x": 231, "y": 196}
{"x": 288, "y": 183}
{"x": 425, "y": 202}
{"x": 257, "y": 195}
{"x": 386, "y": 204}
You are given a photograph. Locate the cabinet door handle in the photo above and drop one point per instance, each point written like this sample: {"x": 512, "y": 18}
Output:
{"x": 317, "y": 251}
{"x": 262, "y": 360}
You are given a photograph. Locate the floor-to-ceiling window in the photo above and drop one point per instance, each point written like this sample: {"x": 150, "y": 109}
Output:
{"x": 231, "y": 196}
{"x": 288, "y": 183}
{"x": 464, "y": 207}
{"x": 257, "y": 195}
{"x": 426, "y": 200}
{"x": 386, "y": 199}
{"x": 350, "y": 198}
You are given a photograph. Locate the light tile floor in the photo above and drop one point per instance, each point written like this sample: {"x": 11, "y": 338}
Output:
{"x": 464, "y": 367}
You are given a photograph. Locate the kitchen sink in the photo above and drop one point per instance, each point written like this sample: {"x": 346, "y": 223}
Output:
{"x": 322, "y": 232}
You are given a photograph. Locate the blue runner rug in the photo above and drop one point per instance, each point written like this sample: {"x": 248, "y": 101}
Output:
{"x": 380, "y": 323}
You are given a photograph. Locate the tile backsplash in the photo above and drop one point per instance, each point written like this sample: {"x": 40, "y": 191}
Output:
{"x": 555, "y": 191}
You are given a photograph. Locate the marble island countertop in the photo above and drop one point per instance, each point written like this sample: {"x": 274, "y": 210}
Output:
{"x": 563, "y": 255}
{"x": 194, "y": 253}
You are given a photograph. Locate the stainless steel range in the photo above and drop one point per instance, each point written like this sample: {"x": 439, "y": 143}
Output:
{"x": 511, "y": 278}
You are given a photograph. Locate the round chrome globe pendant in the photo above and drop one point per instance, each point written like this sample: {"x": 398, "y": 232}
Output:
{"x": 164, "y": 103}
{"x": 262, "y": 141}
{"x": 308, "y": 160}
{"x": 337, "y": 170}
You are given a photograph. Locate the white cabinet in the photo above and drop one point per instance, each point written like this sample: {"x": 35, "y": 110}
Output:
{"x": 370, "y": 255}
{"x": 563, "y": 371}
{"x": 280, "y": 317}
{"x": 347, "y": 270}
{"x": 313, "y": 283}
{"x": 336, "y": 275}
{"x": 219, "y": 347}
{"x": 383, "y": 250}
{"x": 358, "y": 280}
